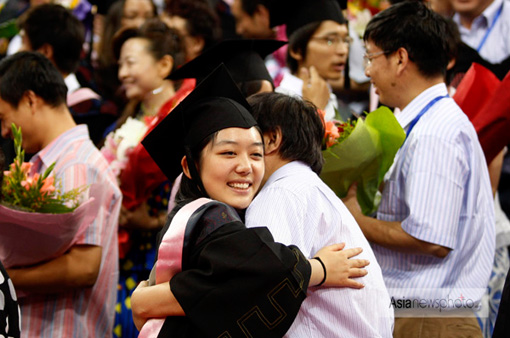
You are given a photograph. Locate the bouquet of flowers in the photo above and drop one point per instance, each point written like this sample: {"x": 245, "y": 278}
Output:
{"x": 37, "y": 221}
{"x": 361, "y": 151}
{"x": 119, "y": 144}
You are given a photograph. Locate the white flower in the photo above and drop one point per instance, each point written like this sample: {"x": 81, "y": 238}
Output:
{"x": 128, "y": 136}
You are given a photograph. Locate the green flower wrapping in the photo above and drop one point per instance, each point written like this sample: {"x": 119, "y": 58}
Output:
{"x": 364, "y": 157}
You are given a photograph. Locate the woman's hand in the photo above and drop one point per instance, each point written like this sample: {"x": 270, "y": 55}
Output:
{"x": 340, "y": 266}
{"x": 155, "y": 301}
{"x": 138, "y": 319}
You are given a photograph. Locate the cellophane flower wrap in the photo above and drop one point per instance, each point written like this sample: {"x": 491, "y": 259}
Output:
{"x": 361, "y": 151}
{"x": 37, "y": 221}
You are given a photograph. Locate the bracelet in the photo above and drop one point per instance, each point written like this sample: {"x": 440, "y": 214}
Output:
{"x": 324, "y": 268}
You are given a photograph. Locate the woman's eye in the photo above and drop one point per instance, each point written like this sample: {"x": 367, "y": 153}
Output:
{"x": 258, "y": 155}
{"x": 228, "y": 153}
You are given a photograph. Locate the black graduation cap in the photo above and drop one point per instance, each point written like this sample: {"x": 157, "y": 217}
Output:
{"x": 244, "y": 60}
{"x": 215, "y": 104}
{"x": 298, "y": 13}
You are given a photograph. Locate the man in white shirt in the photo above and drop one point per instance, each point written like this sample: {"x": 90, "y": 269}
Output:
{"x": 298, "y": 208}
{"x": 434, "y": 231}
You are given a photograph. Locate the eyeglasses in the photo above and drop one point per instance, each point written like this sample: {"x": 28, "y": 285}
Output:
{"x": 368, "y": 57}
{"x": 334, "y": 40}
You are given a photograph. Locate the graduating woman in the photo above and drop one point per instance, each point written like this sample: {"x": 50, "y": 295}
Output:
{"x": 225, "y": 280}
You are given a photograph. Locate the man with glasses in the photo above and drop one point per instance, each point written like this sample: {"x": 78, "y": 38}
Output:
{"x": 434, "y": 232}
{"x": 318, "y": 49}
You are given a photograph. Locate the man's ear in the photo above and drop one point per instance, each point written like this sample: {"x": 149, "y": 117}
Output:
{"x": 185, "y": 168}
{"x": 402, "y": 60}
{"x": 32, "y": 100}
{"x": 47, "y": 50}
{"x": 272, "y": 141}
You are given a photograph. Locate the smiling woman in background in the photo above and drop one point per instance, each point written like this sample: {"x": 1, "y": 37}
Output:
{"x": 146, "y": 57}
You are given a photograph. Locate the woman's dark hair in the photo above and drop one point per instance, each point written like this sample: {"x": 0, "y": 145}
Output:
{"x": 201, "y": 19}
{"x": 189, "y": 189}
{"x": 299, "y": 122}
{"x": 111, "y": 26}
{"x": 162, "y": 39}
{"x": 298, "y": 43}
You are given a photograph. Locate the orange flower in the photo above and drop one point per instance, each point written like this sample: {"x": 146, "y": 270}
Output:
{"x": 27, "y": 184}
{"x": 332, "y": 133}
{"x": 26, "y": 166}
{"x": 48, "y": 185}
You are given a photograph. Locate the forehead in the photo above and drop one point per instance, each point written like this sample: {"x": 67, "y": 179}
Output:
{"x": 371, "y": 47}
{"x": 238, "y": 135}
{"x": 330, "y": 27}
{"x": 137, "y": 5}
{"x": 134, "y": 46}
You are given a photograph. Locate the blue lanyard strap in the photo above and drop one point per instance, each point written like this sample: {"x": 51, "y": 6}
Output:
{"x": 422, "y": 112}
{"x": 498, "y": 14}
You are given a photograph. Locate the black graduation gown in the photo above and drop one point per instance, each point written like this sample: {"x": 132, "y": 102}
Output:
{"x": 236, "y": 282}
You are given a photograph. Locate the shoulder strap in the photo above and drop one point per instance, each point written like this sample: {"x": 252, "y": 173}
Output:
{"x": 170, "y": 257}
{"x": 170, "y": 250}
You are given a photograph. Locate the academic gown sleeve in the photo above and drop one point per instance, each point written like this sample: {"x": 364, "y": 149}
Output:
{"x": 236, "y": 282}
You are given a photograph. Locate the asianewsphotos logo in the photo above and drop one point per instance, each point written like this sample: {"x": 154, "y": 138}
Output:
{"x": 460, "y": 303}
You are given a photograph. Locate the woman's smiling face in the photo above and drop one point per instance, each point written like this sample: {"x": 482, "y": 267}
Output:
{"x": 138, "y": 69}
{"x": 232, "y": 166}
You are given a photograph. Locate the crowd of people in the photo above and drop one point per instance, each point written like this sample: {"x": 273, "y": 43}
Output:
{"x": 203, "y": 123}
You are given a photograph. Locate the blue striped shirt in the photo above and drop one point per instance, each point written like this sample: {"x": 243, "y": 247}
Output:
{"x": 496, "y": 47}
{"x": 300, "y": 209}
{"x": 439, "y": 189}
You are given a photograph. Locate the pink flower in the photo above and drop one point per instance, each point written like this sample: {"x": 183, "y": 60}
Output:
{"x": 48, "y": 185}
{"x": 26, "y": 166}
{"x": 27, "y": 184}
{"x": 7, "y": 173}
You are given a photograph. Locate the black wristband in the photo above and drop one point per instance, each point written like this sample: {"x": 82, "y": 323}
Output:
{"x": 324, "y": 268}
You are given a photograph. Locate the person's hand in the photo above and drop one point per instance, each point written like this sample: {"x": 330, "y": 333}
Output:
{"x": 139, "y": 218}
{"x": 341, "y": 268}
{"x": 351, "y": 201}
{"x": 315, "y": 88}
{"x": 137, "y": 318}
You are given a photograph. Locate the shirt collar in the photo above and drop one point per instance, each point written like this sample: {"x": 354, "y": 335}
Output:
{"x": 487, "y": 16}
{"x": 286, "y": 170}
{"x": 72, "y": 83}
{"x": 56, "y": 148}
{"x": 418, "y": 103}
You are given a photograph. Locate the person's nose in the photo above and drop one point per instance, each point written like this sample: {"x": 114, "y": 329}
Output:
{"x": 244, "y": 165}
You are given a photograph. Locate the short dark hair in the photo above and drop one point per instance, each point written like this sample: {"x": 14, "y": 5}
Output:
{"x": 162, "y": 39}
{"x": 418, "y": 29}
{"x": 250, "y": 6}
{"x": 298, "y": 43}
{"x": 300, "y": 124}
{"x": 54, "y": 25}
{"x": 201, "y": 19}
{"x": 26, "y": 71}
